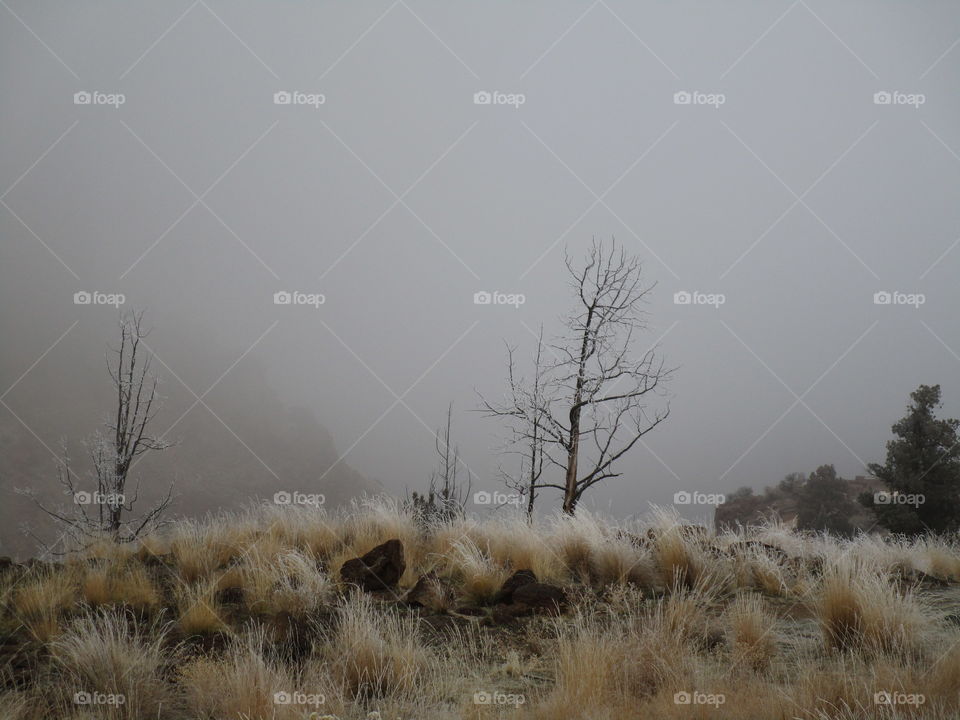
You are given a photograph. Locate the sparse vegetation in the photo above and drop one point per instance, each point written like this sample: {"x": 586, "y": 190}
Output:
{"x": 218, "y": 617}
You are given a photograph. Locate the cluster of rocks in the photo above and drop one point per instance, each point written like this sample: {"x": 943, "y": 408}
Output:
{"x": 380, "y": 570}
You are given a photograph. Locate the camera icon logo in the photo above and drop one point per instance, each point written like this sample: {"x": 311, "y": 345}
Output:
{"x": 682, "y": 698}
{"x": 482, "y": 98}
{"x": 882, "y": 98}
{"x": 882, "y": 498}
{"x": 682, "y": 498}
{"x": 682, "y": 98}
{"x": 82, "y": 698}
{"x": 882, "y": 298}
{"x": 82, "y": 498}
{"x": 482, "y": 497}
{"x": 482, "y": 697}
{"x": 482, "y": 298}
{"x": 282, "y": 97}
{"x": 282, "y": 498}
{"x": 682, "y": 298}
{"x": 82, "y": 298}
{"x": 282, "y": 297}
{"x": 282, "y": 698}
{"x": 82, "y": 98}
{"x": 882, "y": 698}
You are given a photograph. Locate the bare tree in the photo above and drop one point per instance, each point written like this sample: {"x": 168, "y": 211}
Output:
{"x": 446, "y": 495}
{"x": 108, "y": 509}
{"x": 588, "y": 408}
{"x": 525, "y": 412}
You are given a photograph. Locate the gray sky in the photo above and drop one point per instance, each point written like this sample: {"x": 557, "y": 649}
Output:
{"x": 198, "y": 198}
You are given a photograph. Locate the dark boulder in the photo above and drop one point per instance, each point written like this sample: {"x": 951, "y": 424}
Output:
{"x": 514, "y": 583}
{"x": 540, "y": 597}
{"x": 379, "y": 569}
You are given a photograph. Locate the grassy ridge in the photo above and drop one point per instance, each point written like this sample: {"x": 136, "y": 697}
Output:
{"x": 230, "y": 617}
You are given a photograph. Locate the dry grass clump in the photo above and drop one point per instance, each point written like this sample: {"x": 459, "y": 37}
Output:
{"x": 598, "y": 553}
{"x": 245, "y": 684}
{"x": 14, "y": 706}
{"x": 752, "y": 636}
{"x": 480, "y": 577}
{"x": 859, "y": 609}
{"x": 199, "y": 613}
{"x": 307, "y": 528}
{"x": 150, "y": 547}
{"x": 130, "y": 586}
{"x": 195, "y": 552}
{"x": 290, "y": 582}
{"x": 375, "y": 652}
{"x": 41, "y": 602}
{"x": 110, "y": 652}
{"x": 941, "y": 559}
{"x": 678, "y": 558}
{"x": 106, "y": 550}
{"x": 516, "y": 543}
{"x": 607, "y": 664}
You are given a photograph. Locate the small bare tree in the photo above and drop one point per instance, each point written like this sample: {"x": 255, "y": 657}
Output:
{"x": 588, "y": 408}
{"x": 446, "y": 495}
{"x": 107, "y": 510}
{"x": 526, "y": 411}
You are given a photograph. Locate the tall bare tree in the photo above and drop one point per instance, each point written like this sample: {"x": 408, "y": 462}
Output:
{"x": 108, "y": 510}
{"x": 589, "y": 407}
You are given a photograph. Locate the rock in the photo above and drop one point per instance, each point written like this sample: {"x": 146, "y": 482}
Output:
{"x": 471, "y": 611}
{"x": 507, "y": 614}
{"x": 438, "y": 625}
{"x": 230, "y": 596}
{"x": 429, "y": 592}
{"x": 514, "y": 583}
{"x": 540, "y": 597}
{"x": 379, "y": 569}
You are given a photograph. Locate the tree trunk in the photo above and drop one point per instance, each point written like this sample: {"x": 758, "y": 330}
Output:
{"x": 570, "y": 485}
